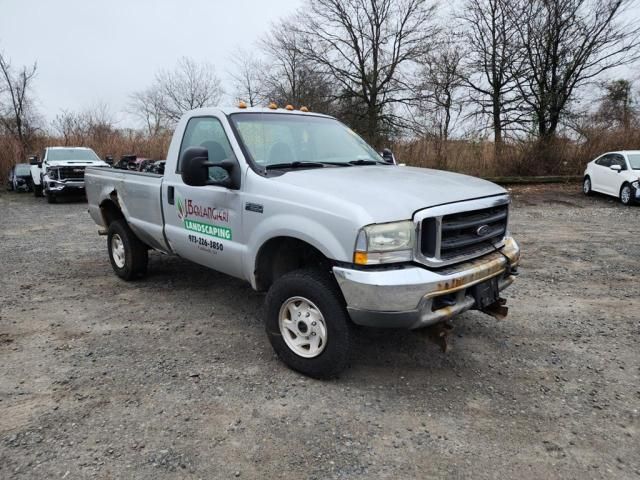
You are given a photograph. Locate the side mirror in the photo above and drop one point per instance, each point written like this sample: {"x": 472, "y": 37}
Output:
{"x": 108, "y": 160}
{"x": 33, "y": 160}
{"x": 194, "y": 166}
{"x": 616, "y": 168}
{"x": 387, "y": 156}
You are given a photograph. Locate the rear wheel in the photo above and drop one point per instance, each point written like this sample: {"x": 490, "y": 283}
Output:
{"x": 307, "y": 323}
{"x": 128, "y": 255}
{"x": 586, "y": 186}
{"x": 625, "y": 194}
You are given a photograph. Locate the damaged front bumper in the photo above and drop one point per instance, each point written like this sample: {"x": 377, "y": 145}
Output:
{"x": 414, "y": 297}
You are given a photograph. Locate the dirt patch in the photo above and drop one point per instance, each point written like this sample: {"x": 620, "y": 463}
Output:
{"x": 172, "y": 376}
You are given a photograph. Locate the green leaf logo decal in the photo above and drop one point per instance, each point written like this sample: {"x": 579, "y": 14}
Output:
{"x": 182, "y": 212}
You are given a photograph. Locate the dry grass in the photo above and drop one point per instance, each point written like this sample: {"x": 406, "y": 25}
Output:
{"x": 115, "y": 143}
{"x": 527, "y": 158}
{"x": 563, "y": 157}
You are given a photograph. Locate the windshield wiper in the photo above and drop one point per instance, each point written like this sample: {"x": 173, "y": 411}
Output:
{"x": 296, "y": 164}
{"x": 365, "y": 162}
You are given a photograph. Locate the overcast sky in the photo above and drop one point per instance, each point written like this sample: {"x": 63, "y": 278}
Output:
{"x": 99, "y": 51}
{"x": 92, "y": 51}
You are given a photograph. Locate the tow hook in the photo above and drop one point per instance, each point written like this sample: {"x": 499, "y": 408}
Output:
{"x": 497, "y": 309}
{"x": 438, "y": 334}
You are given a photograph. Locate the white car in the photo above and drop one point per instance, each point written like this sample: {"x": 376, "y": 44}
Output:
{"x": 615, "y": 173}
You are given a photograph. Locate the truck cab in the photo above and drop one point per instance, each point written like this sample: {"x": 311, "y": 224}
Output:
{"x": 299, "y": 206}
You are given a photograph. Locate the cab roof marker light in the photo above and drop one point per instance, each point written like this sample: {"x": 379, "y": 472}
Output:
{"x": 242, "y": 104}
{"x": 304, "y": 109}
{"x": 289, "y": 107}
{"x": 273, "y": 106}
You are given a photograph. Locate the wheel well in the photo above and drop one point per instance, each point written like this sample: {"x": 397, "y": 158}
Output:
{"x": 110, "y": 210}
{"x": 281, "y": 255}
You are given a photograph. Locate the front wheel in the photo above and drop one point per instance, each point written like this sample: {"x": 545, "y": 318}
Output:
{"x": 51, "y": 198}
{"x": 128, "y": 255}
{"x": 37, "y": 190}
{"x": 626, "y": 194}
{"x": 586, "y": 186}
{"x": 307, "y": 323}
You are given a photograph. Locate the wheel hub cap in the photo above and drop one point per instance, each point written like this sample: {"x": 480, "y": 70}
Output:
{"x": 626, "y": 194}
{"x": 302, "y": 327}
{"x": 117, "y": 250}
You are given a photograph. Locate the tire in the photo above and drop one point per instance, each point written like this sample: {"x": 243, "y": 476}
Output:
{"x": 586, "y": 186}
{"x": 37, "y": 191}
{"x": 51, "y": 198}
{"x": 316, "y": 297}
{"x": 128, "y": 255}
{"x": 626, "y": 193}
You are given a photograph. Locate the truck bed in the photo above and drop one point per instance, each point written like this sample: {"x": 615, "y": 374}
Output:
{"x": 139, "y": 196}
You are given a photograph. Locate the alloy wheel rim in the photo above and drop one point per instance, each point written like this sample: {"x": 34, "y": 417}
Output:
{"x": 626, "y": 194}
{"x": 117, "y": 250}
{"x": 587, "y": 186}
{"x": 303, "y": 327}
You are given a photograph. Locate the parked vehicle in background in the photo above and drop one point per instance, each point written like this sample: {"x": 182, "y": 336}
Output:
{"x": 60, "y": 171}
{"x": 133, "y": 163}
{"x": 616, "y": 174}
{"x": 19, "y": 178}
{"x": 155, "y": 167}
{"x": 298, "y": 205}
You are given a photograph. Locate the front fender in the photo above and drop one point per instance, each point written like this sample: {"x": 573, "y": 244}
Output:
{"x": 301, "y": 228}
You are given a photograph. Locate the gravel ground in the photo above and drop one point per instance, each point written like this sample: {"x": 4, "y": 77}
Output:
{"x": 173, "y": 377}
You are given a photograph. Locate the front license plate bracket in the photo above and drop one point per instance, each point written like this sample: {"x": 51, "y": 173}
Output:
{"x": 485, "y": 293}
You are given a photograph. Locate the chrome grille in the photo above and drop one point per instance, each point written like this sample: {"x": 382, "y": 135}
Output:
{"x": 465, "y": 233}
{"x": 71, "y": 173}
{"x": 461, "y": 231}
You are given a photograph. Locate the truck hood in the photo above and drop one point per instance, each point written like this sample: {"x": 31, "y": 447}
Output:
{"x": 77, "y": 163}
{"x": 389, "y": 193}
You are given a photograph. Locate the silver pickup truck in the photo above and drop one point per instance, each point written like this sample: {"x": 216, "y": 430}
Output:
{"x": 298, "y": 205}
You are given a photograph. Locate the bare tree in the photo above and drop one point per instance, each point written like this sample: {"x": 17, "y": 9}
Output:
{"x": 16, "y": 117}
{"x": 290, "y": 78}
{"x": 492, "y": 44}
{"x": 617, "y": 107}
{"x": 566, "y": 44}
{"x": 148, "y": 106}
{"x": 71, "y": 126}
{"x": 442, "y": 81}
{"x": 365, "y": 47}
{"x": 190, "y": 85}
{"x": 248, "y": 77}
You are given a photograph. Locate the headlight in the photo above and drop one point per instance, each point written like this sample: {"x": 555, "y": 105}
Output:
{"x": 52, "y": 173}
{"x": 636, "y": 184}
{"x": 385, "y": 243}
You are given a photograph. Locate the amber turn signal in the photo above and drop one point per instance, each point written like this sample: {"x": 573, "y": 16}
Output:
{"x": 360, "y": 258}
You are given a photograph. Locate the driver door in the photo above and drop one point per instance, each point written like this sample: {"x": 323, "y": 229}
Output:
{"x": 204, "y": 224}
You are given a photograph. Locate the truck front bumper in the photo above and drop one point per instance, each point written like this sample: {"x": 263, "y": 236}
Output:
{"x": 65, "y": 187}
{"x": 414, "y": 297}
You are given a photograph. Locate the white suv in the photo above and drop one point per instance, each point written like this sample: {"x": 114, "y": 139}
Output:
{"x": 615, "y": 173}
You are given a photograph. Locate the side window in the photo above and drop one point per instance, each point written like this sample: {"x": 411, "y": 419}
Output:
{"x": 208, "y": 132}
{"x": 604, "y": 161}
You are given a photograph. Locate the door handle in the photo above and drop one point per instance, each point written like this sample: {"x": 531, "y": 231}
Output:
{"x": 170, "y": 195}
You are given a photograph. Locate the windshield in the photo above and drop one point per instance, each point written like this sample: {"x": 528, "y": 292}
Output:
{"x": 275, "y": 138}
{"x": 634, "y": 160}
{"x": 22, "y": 169}
{"x": 60, "y": 154}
